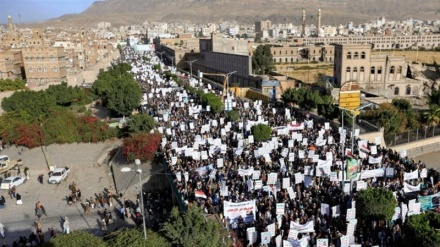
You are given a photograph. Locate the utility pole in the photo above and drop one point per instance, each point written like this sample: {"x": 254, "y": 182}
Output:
{"x": 227, "y": 90}
{"x": 191, "y": 66}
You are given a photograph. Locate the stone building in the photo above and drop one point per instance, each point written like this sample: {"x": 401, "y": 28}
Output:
{"x": 11, "y": 65}
{"x": 384, "y": 74}
{"x": 292, "y": 54}
{"x": 44, "y": 65}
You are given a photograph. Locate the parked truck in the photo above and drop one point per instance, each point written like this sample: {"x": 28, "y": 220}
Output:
{"x": 58, "y": 175}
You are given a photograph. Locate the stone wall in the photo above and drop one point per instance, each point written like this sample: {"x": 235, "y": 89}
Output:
{"x": 420, "y": 147}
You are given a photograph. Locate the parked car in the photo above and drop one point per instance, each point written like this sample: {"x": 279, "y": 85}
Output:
{"x": 12, "y": 181}
{"x": 58, "y": 175}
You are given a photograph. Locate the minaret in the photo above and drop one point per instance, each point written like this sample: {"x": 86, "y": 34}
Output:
{"x": 10, "y": 24}
{"x": 303, "y": 32}
{"x": 319, "y": 23}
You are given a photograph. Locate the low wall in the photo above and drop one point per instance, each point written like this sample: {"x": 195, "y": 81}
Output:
{"x": 416, "y": 148}
{"x": 371, "y": 137}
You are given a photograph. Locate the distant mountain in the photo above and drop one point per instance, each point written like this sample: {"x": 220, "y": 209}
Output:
{"x": 125, "y": 12}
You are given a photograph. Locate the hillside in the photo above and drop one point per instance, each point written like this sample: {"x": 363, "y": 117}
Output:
{"x": 124, "y": 12}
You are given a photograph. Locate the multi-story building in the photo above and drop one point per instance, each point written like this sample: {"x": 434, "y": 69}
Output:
{"x": 11, "y": 65}
{"x": 44, "y": 65}
{"x": 381, "y": 42}
{"x": 374, "y": 72}
{"x": 262, "y": 26}
{"x": 291, "y": 54}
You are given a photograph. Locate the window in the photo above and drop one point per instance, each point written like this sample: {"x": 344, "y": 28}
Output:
{"x": 392, "y": 69}
{"x": 373, "y": 70}
{"x": 233, "y": 48}
{"x": 348, "y": 55}
{"x": 281, "y": 60}
{"x": 363, "y": 55}
{"x": 286, "y": 60}
{"x": 55, "y": 69}
{"x": 52, "y": 58}
{"x": 274, "y": 52}
{"x": 286, "y": 52}
{"x": 355, "y": 70}
{"x": 399, "y": 70}
{"x": 274, "y": 60}
{"x": 362, "y": 69}
{"x": 408, "y": 90}
{"x": 396, "y": 91}
{"x": 291, "y": 52}
{"x": 356, "y": 55}
{"x": 31, "y": 69}
{"x": 348, "y": 69}
{"x": 379, "y": 70}
{"x": 280, "y": 52}
{"x": 44, "y": 69}
{"x": 39, "y": 69}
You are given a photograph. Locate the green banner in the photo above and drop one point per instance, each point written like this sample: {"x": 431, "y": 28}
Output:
{"x": 352, "y": 168}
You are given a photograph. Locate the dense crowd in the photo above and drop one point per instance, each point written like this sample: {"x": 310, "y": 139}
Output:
{"x": 217, "y": 161}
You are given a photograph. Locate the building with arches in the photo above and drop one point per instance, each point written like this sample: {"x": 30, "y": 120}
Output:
{"x": 375, "y": 73}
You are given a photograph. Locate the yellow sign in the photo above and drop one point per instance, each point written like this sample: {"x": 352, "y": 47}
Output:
{"x": 350, "y": 99}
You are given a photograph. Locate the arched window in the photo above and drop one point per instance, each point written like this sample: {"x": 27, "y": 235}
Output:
{"x": 363, "y": 55}
{"x": 52, "y": 58}
{"x": 379, "y": 70}
{"x": 291, "y": 52}
{"x": 408, "y": 90}
{"x": 280, "y": 52}
{"x": 396, "y": 91}
{"x": 55, "y": 69}
{"x": 286, "y": 60}
{"x": 45, "y": 69}
{"x": 373, "y": 70}
{"x": 349, "y": 55}
{"x": 392, "y": 69}
{"x": 40, "y": 69}
{"x": 286, "y": 52}
{"x": 362, "y": 69}
{"x": 274, "y": 60}
{"x": 281, "y": 60}
{"x": 399, "y": 69}
{"x": 274, "y": 52}
{"x": 355, "y": 69}
{"x": 348, "y": 69}
{"x": 31, "y": 69}
{"x": 356, "y": 55}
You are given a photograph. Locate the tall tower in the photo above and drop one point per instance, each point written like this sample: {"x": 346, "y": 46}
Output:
{"x": 10, "y": 24}
{"x": 303, "y": 32}
{"x": 319, "y": 23}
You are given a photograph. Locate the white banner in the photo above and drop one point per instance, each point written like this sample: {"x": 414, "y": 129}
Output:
{"x": 246, "y": 210}
{"x": 372, "y": 173}
{"x": 411, "y": 175}
{"x": 307, "y": 227}
{"x": 246, "y": 172}
{"x": 373, "y": 160}
{"x": 407, "y": 188}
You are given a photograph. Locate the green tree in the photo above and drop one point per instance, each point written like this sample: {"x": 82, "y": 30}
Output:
{"x": 214, "y": 101}
{"x": 375, "y": 204}
{"x": 422, "y": 230}
{"x": 291, "y": 96}
{"x": 387, "y": 116}
{"x": 11, "y": 85}
{"x": 191, "y": 229}
{"x": 262, "y": 60}
{"x": 135, "y": 238}
{"x": 432, "y": 116}
{"x": 434, "y": 97}
{"x": 36, "y": 103}
{"x": 141, "y": 122}
{"x": 261, "y": 132}
{"x": 327, "y": 109}
{"x": 409, "y": 118}
{"x": 311, "y": 99}
{"x": 75, "y": 239}
{"x": 233, "y": 116}
{"x": 118, "y": 90}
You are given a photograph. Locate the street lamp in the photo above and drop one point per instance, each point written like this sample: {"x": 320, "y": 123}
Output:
{"x": 46, "y": 157}
{"x": 191, "y": 66}
{"x": 160, "y": 52}
{"x": 139, "y": 171}
{"x": 227, "y": 89}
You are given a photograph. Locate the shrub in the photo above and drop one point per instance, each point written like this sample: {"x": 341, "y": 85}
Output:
{"x": 141, "y": 146}
{"x": 233, "y": 116}
{"x": 421, "y": 230}
{"x": 375, "y": 204}
{"x": 214, "y": 101}
{"x": 261, "y": 132}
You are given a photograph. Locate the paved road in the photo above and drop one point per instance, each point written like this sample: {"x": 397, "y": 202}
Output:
{"x": 430, "y": 159}
{"x": 86, "y": 171}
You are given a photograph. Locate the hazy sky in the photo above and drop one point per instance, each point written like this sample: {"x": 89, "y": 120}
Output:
{"x": 39, "y": 10}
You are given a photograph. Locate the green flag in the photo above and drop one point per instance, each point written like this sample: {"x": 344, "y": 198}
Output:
{"x": 352, "y": 168}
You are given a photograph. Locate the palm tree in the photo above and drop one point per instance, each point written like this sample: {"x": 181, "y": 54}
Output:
{"x": 432, "y": 116}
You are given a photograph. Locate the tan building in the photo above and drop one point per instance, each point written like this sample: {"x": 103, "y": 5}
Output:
{"x": 11, "y": 65}
{"x": 44, "y": 65}
{"x": 383, "y": 74}
{"x": 291, "y": 54}
{"x": 261, "y": 26}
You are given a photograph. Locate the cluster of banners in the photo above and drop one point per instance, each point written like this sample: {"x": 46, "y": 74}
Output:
{"x": 429, "y": 202}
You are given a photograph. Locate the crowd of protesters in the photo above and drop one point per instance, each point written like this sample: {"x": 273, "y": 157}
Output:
{"x": 209, "y": 174}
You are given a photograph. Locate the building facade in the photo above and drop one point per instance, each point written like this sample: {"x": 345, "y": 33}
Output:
{"x": 44, "y": 65}
{"x": 374, "y": 72}
{"x": 11, "y": 65}
{"x": 292, "y": 54}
